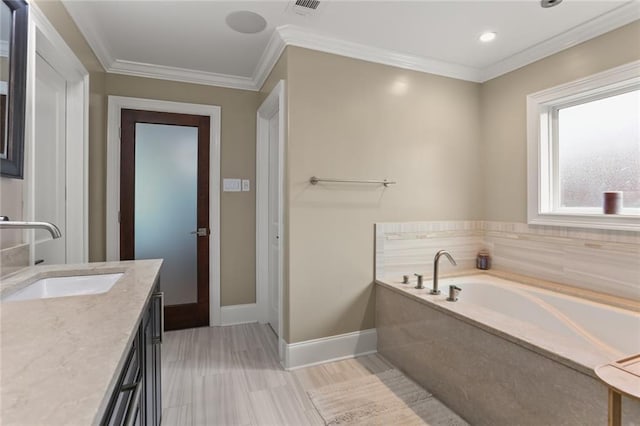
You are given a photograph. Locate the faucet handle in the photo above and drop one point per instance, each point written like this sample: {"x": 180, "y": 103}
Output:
{"x": 420, "y": 277}
{"x": 453, "y": 293}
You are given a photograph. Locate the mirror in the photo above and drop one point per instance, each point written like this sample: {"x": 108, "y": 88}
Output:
{"x": 13, "y": 77}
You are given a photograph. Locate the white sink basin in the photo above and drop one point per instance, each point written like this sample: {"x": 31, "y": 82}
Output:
{"x": 66, "y": 286}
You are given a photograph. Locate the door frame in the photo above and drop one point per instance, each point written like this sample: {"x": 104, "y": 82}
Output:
{"x": 274, "y": 103}
{"x": 43, "y": 39}
{"x": 115, "y": 105}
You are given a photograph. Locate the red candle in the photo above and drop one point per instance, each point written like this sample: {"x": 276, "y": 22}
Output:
{"x": 612, "y": 202}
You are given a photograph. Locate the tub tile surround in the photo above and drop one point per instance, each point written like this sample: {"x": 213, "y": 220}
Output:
{"x": 487, "y": 377}
{"x": 596, "y": 260}
{"x": 568, "y": 349}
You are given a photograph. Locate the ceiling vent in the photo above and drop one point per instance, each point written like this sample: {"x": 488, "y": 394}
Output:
{"x": 305, "y": 7}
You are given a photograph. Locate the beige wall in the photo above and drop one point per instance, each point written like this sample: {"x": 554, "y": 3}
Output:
{"x": 11, "y": 204}
{"x": 456, "y": 148}
{"x": 354, "y": 119}
{"x": 503, "y": 99}
{"x": 237, "y": 155}
{"x": 237, "y": 209}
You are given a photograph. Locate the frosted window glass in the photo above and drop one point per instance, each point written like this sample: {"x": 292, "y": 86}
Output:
{"x": 166, "y": 205}
{"x": 599, "y": 150}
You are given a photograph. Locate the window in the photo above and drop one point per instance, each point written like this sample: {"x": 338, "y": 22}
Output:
{"x": 583, "y": 140}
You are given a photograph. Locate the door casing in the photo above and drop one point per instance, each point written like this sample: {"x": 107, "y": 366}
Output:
{"x": 115, "y": 105}
{"x": 274, "y": 103}
{"x": 44, "y": 40}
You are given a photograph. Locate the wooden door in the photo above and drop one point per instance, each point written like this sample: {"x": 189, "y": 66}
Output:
{"x": 165, "y": 170}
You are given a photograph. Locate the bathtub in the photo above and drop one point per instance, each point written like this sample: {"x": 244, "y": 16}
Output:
{"x": 507, "y": 353}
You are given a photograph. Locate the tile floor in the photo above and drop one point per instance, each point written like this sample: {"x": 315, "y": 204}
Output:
{"x": 231, "y": 376}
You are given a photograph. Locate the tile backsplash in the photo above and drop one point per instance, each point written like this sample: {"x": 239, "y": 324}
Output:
{"x": 13, "y": 259}
{"x": 604, "y": 261}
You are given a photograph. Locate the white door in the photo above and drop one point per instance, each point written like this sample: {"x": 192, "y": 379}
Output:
{"x": 49, "y": 161}
{"x": 274, "y": 223}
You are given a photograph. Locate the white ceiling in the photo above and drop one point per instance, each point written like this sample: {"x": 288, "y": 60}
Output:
{"x": 191, "y": 38}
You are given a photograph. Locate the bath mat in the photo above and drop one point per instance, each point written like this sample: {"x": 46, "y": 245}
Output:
{"x": 387, "y": 398}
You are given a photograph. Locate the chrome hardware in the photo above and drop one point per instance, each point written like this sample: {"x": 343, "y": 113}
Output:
{"x": 159, "y": 296}
{"x": 200, "y": 232}
{"x": 314, "y": 181}
{"x": 6, "y": 223}
{"x": 419, "y": 286}
{"x": 453, "y": 293}
{"x": 405, "y": 279}
{"x": 439, "y": 254}
{"x": 135, "y": 403}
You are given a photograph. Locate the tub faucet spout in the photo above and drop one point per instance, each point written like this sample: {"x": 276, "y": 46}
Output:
{"x": 439, "y": 254}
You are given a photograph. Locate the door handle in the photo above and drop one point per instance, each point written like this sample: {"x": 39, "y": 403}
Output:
{"x": 159, "y": 296}
{"x": 200, "y": 232}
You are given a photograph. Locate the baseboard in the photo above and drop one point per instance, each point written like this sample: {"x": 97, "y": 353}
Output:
{"x": 327, "y": 349}
{"x": 239, "y": 314}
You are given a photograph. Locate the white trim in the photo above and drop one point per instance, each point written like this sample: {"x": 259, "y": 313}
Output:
{"x": 539, "y": 107}
{"x": 274, "y": 103}
{"x": 47, "y": 42}
{"x": 162, "y": 72}
{"x": 616, "y": 18}
{"x": 239, "y": 314}
{"x": 89, "y": 29}
{"x": 301, "y": 37}
{"x": 291, "y": 35}
{"x": 116, "y": 104}
{"x": 328, "y": 349}
{"x": 268, "y": 60}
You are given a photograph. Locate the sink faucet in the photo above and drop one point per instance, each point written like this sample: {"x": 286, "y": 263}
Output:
{"x": 439, "y": 254}
{"x": 5, "y": 223}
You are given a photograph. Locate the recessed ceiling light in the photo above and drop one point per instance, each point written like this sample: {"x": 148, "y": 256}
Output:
{"x": 246, "y": 22}
{"x": 487, "y": 37}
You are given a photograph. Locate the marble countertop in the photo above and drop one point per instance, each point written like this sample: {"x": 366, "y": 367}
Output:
{"x": 60, "y": 357}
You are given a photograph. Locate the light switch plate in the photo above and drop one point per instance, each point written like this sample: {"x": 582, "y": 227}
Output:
{"x": 231, "y": 185}
{"x": 246, "y": 186}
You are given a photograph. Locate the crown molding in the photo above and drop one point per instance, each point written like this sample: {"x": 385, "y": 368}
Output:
{"x": 88, "y": 28}
{"x": 296, "y": 36}
{"x": 290, "y": 35}
{"x": 268, "y": 60}
{"x": 616, "y": 18}
{"x": 163, "y": 72}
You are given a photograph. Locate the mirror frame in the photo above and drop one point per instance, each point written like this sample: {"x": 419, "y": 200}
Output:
{"x": 13, "y": 165}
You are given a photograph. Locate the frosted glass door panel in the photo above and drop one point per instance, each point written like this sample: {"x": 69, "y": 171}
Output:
{"x": 166, "y": 177}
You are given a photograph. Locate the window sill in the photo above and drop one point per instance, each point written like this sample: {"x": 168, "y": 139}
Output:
{"x": 618, "y": 222}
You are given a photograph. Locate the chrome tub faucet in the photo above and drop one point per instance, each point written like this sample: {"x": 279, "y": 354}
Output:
{"x": 439, "y": 254}
{"x": 419, "y": 285}
{"x": 454, "y": 290}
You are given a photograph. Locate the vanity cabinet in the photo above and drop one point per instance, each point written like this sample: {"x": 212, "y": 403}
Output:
{"x": 137, "y": 398}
